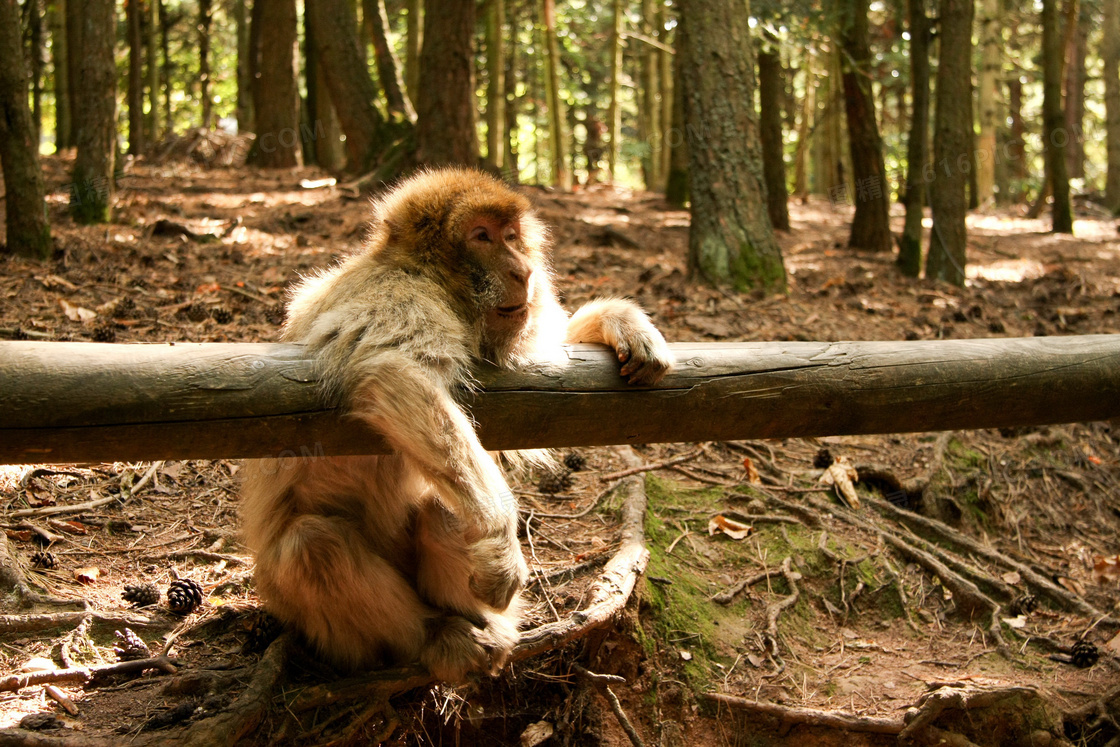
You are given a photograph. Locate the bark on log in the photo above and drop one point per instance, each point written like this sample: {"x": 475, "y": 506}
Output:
{"x": 65, "y": 402}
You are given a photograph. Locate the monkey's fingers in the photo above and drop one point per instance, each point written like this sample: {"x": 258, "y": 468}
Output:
{"x": 622, "y": 350}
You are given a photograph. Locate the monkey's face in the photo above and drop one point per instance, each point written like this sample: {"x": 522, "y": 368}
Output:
{"x": 502, "y": 273}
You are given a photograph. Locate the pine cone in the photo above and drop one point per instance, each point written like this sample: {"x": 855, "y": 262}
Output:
{"x": 1084, "y": 654}
{"x": 184, "y": 595}
{"x": 264, "y": 631}
{"x": 196, "y": 312}
{"x": 44, "y": 559}
{"x": 124, "y": 308}
{"x": 275, "y": 314}
{"x": 104, "y": 333}
{"x": 221, "y": 315}
{"x": 575, "y": 461}
{"x": 130, "y": 647}
{"x": 1024, "y": 604}
{"x": 823, "y": 459}
{"x": 555, "y": 482}
{"x": 141, "y": 595}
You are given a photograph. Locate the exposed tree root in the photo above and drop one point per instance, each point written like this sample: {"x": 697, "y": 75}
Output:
{"x": 728, "y": 596}
{"x": 775, "y": 609}
{"x": 34, "y": 622}
{"x": 13, "y": 582}
{"x": 602, "y": 683}
{"x": 822, "y": 545}
{"x": 811, "y": 716}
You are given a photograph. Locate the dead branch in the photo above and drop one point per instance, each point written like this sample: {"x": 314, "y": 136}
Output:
{"x": 728, "y": 596}
{"x": 775, "y": 609}
{"x": 954, "y": 696}
{"x": 602, "y": 683}
{"x": 1064, "y": 598}
{"x": 31, "y": 623}
{"x": 811, "y": 716}
{"x": 650, "y": 467}
{"x": 611, "y": 591}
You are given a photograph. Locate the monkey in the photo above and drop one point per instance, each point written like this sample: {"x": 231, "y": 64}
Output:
{"x": 414, "y": 556}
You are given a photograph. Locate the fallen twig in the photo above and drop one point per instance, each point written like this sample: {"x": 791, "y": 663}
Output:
{"x": 42, "y": 621}
{"x": 811, "y": 716}
{"x": 640, "y": 468}
{"x": 601, "y": 682}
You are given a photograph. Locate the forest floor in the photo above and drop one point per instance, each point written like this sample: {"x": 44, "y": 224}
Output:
{"x": 995, "y": 553}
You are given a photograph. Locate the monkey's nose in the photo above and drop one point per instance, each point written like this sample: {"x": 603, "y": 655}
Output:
{"x": 521, "y": 274}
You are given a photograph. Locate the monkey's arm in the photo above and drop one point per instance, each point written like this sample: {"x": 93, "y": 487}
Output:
{"x": 626, "y": 328}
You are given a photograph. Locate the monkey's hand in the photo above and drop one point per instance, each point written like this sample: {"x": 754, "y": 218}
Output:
{"x": 499, "y": 569}
{"x": 641, "y": 349}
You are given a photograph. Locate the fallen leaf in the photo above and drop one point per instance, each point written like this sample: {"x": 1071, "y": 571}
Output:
{"x": 87, "y": 575}
{"x": 686, "y": 655}
{"x": 1070, "y": 585}
{"x": 537, "y": 733}
{"x": 1106, "y": 569}
{"x": 736, "y": 530}
{"x": 752, "y": 472}
{"x": 843, "y": 476}
{"x": 756, "y": 660}
{"x": 1018, "y": 623}
{"x": 21, "y": 535}
{"x": 1113, "y": 644}
{"x": 38, "y": 664}
{"x": 1011, "y": 578}
{"x": 76, "y": 313}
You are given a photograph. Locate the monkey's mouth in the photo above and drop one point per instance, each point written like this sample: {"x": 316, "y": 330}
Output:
{"x": 510, "y": 312}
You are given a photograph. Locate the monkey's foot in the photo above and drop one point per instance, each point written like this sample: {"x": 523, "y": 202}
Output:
{"x": 499, "y": 570}
{"x": 457, "y": 647}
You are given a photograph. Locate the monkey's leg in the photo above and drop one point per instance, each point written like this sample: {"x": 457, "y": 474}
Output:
{"x": 417, "y": 415}
{"x": 626, "y": 328}
{"x": 320, "y": 577}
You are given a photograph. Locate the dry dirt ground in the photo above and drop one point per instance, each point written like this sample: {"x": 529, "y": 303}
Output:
{"x": 844, "y": 611}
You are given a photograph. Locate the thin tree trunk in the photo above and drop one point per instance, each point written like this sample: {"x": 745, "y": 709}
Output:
{"x": 74, "y": 14}
{"x": 992, "y": 59}
{"x": 152, "y": 49}
{"x": 731, "y": 240}
{"x": 278, "y": 137}
{"x": 1017, "y": 148}
{"x": 1110, "y": 54}
{"x": 35, "y": 43}
{"x": 351, "y": 89}
{"x": 917, "y": 148}
{"x": 324, "y": 147}
{"x": 562, "y": 174}
{"x": 650, "y": 105}
{"x": 1055, "y": 136}
{"x": 951, "y": 141}
{"x": 244, "y": 80}
{"x": 676, "y": 181}
{"x": 665, "y": 59}
{"x": 413, "y": 44}
{"x": 1075, "y": 95}
{"x": 28, "y": 232}
{"x": 495, "y": 84}
{"x": 167, "y": 64}
{"x": 445, "y": 108}
{"x": 205, "y": 18}
{"x": 614, "y": 113}
{"x": 133, "y": 12}
{"x": 804, "y": 128}
{"x": 770, "y": 132}
{"x": 61, "y": 75}
{"x": 253, "y": 58}
{"x": 871, "y": 228}
{"x": 510, "y": 168}
{"x": 92, "y": 188}
{"x": 397, "y": 100}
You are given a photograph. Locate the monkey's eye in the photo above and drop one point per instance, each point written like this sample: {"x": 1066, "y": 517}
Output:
{"x": 511, "y": 235}
{"x": 480, "y": 234}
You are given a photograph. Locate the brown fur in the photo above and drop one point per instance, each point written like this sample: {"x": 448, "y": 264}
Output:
{"x": 415, "y": 556}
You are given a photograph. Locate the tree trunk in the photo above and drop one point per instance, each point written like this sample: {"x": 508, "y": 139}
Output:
{"x": 325, "y": 146}
{"x": 917, "y": 148}
{"x": 1054, "y": 135}
{"x": 277, "y": 145}
{"x": 56, "y": 12}
{"x": 166, "y": 65}
{"x": 804, "y": 129}
{"x": 414, "y": 43}
{"x": 871, "y": 228}
{"x": 91, "y": 193}
{"x": 244, "y": 80}
{"x": 510, "y": 169}
{"x": 649, "y": 130}
{"x": 770, "y": 131}
{"x": 205, "y": 19}
{"x": 562, "y": 174}
{"x": 133, "y": 12}
{"x": 676, "y": 181}
{"x": 1017, "y": 148}
{"x": 951, "y": 141}
{"x": 74, "y": 15}
{"x": 731, "y": 240}
{"x": 990, "y": 67}
{"x": 1110, "y": 54}
{"x": 397, "y": 100}
{"x": 665, "y": 60}
{"x": 152, "y": 56}
{"x": 28, "y": 232}
{"x": 1075, "y": 94}
{"x": 445, "y": 107}
{"x": 34, "y": 13}
{"x": 495, "y": 84}
{"x": 614, "y": 113}
{"x": 351, "y": 89}
{"x": 253, "y": 58}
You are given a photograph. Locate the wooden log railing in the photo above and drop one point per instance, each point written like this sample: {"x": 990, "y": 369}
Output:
{"x": 83, "y": 402}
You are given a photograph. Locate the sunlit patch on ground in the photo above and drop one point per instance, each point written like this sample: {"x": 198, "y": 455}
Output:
{"x": 1006, "y": 271}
